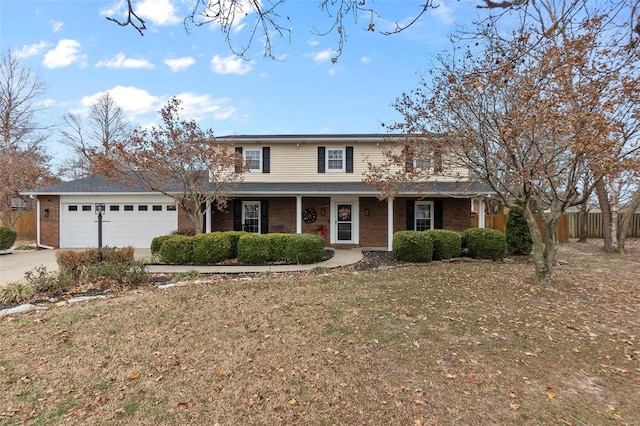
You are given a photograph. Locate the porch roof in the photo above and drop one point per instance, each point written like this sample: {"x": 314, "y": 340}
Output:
{"x": 101, "y": 185}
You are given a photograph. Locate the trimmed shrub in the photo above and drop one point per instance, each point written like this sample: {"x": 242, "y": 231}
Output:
{"x": 72, "y": 263}
{"x": 213, "y": 247}
{"x": 117, "y": 255}
{"x": 254, "y": 249}
{"x": 412, "y": 246}
{"x": 178, "y": 249}
{"x": 518, "y": 235}
{"x": 7, "y": 238}
{"x": 446, "y": 244}
{"x": 234, "y": 236}
{"x": 484, "y": 243}
{"x": 129, "y": 273}
{"x": 304, "y": 248}
{"x": 278, "y": 245}
{"x": 157, "y": 242}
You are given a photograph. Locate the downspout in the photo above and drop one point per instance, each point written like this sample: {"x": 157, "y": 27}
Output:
{"x": 38, "y": 223}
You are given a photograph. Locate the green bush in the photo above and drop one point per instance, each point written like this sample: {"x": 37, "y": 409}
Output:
{"x": 234, "y": 236}
{"x": 446, "y": 244}
{"x": 129, "y": 273}
{"x": 518, "y": 235}
{"x": 7, "y": 238}
{"x": 304, "y": 248}
{"x": 412, "y": 246}
{"x": 254, "y": 249}
{"x": 43, "y": 281}
{"x": 157, "y": 242}
{"x": 213, "y": 247}
{"x": 484, "y": 243}
{"x": 178, "y": 249}
{"x": 278, "y": 245}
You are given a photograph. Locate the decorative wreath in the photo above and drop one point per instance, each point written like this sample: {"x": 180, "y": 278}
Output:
{"x": 309, "y": 215}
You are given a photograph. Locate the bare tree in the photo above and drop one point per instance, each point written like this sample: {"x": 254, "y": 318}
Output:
{"x": 23, "y": 161}
{"x": 177, "y": 159}
{"x": 268, "y": 18}
{"x": 20, "y": 89}
{"x": 105, "y": 125}
{"x": 525, "y": 112}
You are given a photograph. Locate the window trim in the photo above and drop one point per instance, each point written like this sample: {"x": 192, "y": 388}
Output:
{"x": 431, "y": 214}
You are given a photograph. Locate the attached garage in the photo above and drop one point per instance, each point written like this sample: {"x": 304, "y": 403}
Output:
{"x": 127, "y": 220}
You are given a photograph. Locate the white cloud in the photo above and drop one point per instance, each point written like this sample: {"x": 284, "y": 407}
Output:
{"x": 116, "y": 8}
{"x": 64, "y": 54}
{"x": 444, "y": 13}
{"x": 322, "y": 56}
{"x": 198, "y": 107}
{"x": 56, "y": 26}
{"x": 365, "y": 60}
{"x": 332, "y": 71}
{"x": 313, "y": 42}
{"x": 160, "y": 12}
{"x": 120, "y": 61}
{"x": 32, "y": 49}
{"x": 230, "y": 65}
{"x": 132, "y": 100}
{"x": 179, "y": 64}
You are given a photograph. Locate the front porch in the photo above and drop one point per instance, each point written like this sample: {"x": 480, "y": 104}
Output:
{"x": 343, "y": 220}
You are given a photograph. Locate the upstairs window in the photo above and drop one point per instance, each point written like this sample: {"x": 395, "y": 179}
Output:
{"x": 253, "y": 159}
{"x": 335, "y": 159}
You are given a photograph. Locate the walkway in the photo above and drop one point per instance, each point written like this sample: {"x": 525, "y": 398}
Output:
{"x": 13, "y": 266}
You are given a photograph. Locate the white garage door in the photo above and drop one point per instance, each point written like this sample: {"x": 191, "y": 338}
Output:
{"x": 123, "y": 224}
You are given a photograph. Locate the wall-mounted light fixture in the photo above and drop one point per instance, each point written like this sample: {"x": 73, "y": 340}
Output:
{"x": 322, "y": 212}
{"x": 45, "y": 213}
{"x": 366, "y": 212}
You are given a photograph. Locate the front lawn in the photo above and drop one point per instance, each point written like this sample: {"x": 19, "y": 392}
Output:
{"x": 436, "y": 343}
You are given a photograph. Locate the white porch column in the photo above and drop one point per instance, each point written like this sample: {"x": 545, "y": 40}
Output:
{"x": 298, "y": 214}
{"x": 390, "y": 224}
{"x": 480, "y": 213}
{"x": 207, "y": 224}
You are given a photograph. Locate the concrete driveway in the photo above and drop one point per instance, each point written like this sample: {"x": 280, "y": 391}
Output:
{"x": 14, "y": 265}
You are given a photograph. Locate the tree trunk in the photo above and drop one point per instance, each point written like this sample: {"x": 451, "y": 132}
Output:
{"x": 544, "y": 246}
{"x": 583, "y": 220}
{"x": 627, "y": 219}
{"x": 605, "y": 213}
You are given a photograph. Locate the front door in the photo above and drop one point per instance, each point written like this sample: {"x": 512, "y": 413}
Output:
{"x": 251, "y": 216}
{"x": 344, "y": 227}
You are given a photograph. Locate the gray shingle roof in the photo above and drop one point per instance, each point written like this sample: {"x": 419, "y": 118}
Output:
{"x": 101, "y": 185}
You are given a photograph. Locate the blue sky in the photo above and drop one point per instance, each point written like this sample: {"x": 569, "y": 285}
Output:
{"x": 80, "y": 55}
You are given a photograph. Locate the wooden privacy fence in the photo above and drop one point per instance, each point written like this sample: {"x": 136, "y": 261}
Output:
{"x": 594, "y": 225}
{"x": 499, "y": 223}
{"x": 26, "y": 226}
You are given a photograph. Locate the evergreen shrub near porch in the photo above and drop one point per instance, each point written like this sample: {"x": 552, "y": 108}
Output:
{"x": 446, "y": 244}
{"x": 412, "y": 246}
{"x": 290, "y": 248}
{"x": 177, "y": 249}
{"x": 213, "y": 247}
{"x": 484, "y": 243}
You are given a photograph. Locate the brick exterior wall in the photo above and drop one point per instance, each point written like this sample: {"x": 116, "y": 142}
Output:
{"x": 456, "y": 214}
{"x": 373, "y": 228}
{"x": 49, "y": 220}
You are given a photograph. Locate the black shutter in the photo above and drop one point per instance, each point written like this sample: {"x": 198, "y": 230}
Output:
{"x": 237, "y": 215}
{"x": 411, "y": 213}
{"x": 408, "y": 159}
{"x": 437, "y": 214}
{"x": 321, "y": 159}
{"x": 349, "y": 166}
{"x": 264, "y": 217}
{"x": 238, "y": 166}
{"x": 266, "y": 160}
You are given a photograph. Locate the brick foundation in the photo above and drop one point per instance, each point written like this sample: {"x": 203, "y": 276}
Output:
{"x": 49, "y": 220}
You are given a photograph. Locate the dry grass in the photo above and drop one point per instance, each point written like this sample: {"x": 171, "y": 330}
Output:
{"x": 444, "y": 343}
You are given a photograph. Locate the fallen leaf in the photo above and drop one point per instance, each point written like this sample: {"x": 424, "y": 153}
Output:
{"x": 183, "y": 404}
{"x": 134, "y": 376}
{"x": 293, "y": 401}
{"x": 551, "y": 395}
{"x": 514, "y": 406}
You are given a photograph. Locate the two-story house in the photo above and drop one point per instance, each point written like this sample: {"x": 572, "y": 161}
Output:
{"x": 294, "y": 184}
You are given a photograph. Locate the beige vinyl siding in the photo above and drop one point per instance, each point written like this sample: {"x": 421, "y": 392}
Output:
{"x": 292, "y": 162}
